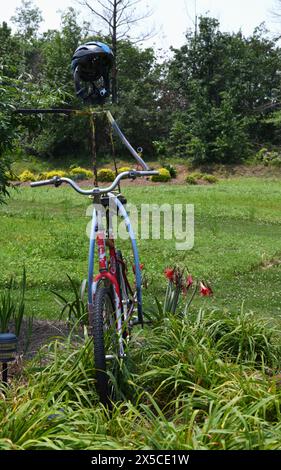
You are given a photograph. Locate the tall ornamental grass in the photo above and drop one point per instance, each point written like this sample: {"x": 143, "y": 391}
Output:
{"x": 205, "y": 381}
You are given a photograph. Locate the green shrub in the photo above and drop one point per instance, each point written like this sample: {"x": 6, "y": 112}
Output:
{"x": 190, "y": 179}
{"x": 197, "y": 175}
{"x": 60, "y": 173}
{"x": 123, "y": 168}
{"x": 160, "y": 147}
{"x": 269, "y": 157}
{"x": 261, "y": 153}
{"x": 196, "y": 150}
{"x": 163, "y": 177}
{"x": 243, "y": 337}
{"x": 42, "y": 176}
{"x": 210, "y": 179}
{"x": 106, "y": 175}
{"x": 27, "y": 176}
{"x": 171, "y": 169}
{"x": 81, "y": 173}
{"x": 12, "y": 305}
{"x": 11, "y": 176}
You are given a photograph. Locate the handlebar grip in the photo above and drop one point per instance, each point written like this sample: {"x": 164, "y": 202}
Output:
{"x": 35, "y": 184}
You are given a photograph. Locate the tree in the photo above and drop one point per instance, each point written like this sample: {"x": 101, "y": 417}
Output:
{"x": 223, "y": 82}
{"x": 58, "y": 47}
{"x": 118, "y": 17}
{"x": 9, "y": 95}
{"x": 10, "y": 59}
{"x": 138, "y": 85}
{"x": 27, "y": 19}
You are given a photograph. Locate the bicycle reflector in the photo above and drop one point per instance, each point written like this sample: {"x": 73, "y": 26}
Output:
{"x": 8, "y": 347}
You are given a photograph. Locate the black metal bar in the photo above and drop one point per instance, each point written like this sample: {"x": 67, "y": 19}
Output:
{"x": 45, "y": 111}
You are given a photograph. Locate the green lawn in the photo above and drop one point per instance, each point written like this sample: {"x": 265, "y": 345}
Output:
{"x": 237, "y": 231}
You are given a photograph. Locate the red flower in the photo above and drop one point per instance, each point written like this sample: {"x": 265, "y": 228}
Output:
{"x": 169, "y": 273}
{"x": 141, "y": 267}
{"x": 189, "y": 281}
{"x": 187, "y": 284}
{"x": 205, "y": 290}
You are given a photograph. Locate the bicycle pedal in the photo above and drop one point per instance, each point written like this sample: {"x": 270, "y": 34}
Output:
{"x": 135, "y": 321}
{"x": 110, "y": 357}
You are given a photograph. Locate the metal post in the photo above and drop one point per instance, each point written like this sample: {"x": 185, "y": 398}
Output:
{"x": 93, "y": 146}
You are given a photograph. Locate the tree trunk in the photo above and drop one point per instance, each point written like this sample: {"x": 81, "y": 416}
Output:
{"x": 114, "y": 50}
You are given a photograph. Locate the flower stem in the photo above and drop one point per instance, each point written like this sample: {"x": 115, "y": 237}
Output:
{"x": 191, "y": 299}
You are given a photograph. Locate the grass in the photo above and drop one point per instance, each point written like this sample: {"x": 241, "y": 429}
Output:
{"x": 237, "y": 235}
{"x": 209, "y": 380}
{"x": 188, "y": 390}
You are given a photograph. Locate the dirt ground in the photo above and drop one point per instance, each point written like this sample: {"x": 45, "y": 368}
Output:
{"x": 31, "y": 339}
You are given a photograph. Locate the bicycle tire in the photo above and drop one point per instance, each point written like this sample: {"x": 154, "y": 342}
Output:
{"x": 103, "y": 300}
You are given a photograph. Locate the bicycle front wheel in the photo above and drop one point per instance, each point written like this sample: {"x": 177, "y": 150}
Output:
{"x": 106, "y": 346}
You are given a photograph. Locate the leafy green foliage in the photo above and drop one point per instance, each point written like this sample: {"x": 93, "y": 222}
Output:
{"x": 75, "y": 310}
{"x": 226, "y": 81}
{"x": 81, "y": 173}
{"x": 12, "y": 305}
{"x": 210, "y": 179}
{"x": 106, "y": 175}
{"x": 171, "y": 169}
{"x": 188, "y": 391}
{"x": 27, "y": 19}
{"x": 27, "y": 176}
{"x": 190, "y": 179}
{"x": 267, "y": 157}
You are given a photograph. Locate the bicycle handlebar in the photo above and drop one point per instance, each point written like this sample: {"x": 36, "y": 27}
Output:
{"x": 57, "y": 181}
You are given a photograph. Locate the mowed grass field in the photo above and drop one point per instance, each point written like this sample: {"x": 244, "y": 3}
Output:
{"x": 237, "y": 245}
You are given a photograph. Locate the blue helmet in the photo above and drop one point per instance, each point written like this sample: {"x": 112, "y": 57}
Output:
{"x": 91, "y": 63}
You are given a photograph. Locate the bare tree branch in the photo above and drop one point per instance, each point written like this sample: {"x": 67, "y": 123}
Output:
{"x": 118, "y": 12}
{"x": 96, "y": 12}
{"x": 108, "y": 8}
{"x": 276, "y": 10}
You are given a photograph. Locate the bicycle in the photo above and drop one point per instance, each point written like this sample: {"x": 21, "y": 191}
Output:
{"x": 112, "y": 301}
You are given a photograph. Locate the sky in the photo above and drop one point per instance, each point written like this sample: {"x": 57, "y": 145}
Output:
{"x": 171, "y": 18}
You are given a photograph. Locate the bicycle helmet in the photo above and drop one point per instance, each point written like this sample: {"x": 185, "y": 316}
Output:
{"x": 91, "y": 64}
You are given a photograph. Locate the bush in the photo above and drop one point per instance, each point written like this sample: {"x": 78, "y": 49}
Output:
{"x": 163, "y": 177}
{"x": 42, "y": 176}
{"x": 124, "y": 168}
{"x": 210, "y": 179}
{"x": 197, "y": 175}
{"x": 10, "y": 176}
{"x": 190, "y": 179}
{"x": 171, "y": 169}
{"x": 267, "y": 157}
{"x": 27, "y": 176}
{"x": 243, "y": 337}
{"x": 60, "y": 173}
{"x": 196, "y": 150}
{"x": 106, "y": 175}
{"x": 81, "y": 173}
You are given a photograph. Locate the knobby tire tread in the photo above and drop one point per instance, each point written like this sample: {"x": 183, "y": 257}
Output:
{"x": 102, "y": 379}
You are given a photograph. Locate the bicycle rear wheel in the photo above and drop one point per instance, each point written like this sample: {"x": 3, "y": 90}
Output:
{"x": 106, "y": 346}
